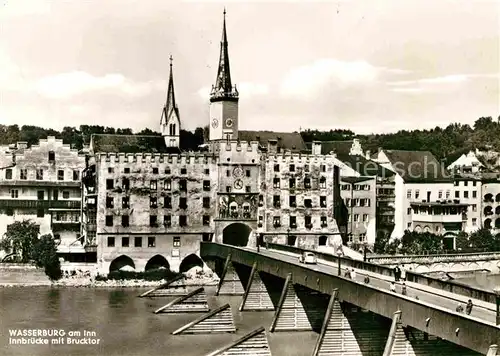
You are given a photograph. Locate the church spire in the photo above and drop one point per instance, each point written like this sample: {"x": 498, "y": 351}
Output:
{"x": 170, "y": 105}
{"x": 223, "y": 88}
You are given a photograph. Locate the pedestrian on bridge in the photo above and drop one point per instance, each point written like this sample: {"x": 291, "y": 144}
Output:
{"x": 403, "y": 273}
{"x": 468, "y": 307}
{"x": 403, "y": 289}
{"x": 353, "y": 274}
{"x": 397, "y": 273}
{"x": 367, "y": 279}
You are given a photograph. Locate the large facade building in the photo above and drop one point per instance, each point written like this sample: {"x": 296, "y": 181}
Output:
{"x": 147, "y": 204}
{"x": 42, "y": 184}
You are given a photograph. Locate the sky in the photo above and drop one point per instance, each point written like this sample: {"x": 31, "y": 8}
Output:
{"x": 368, "y": 66}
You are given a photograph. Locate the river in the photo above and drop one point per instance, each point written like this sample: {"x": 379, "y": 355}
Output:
{"x": 124, "y": 324}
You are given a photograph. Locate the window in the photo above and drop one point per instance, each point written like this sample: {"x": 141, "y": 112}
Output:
{"x": 474, "y": 193}
{"x": 183, "y": 171}
{"x": 292, "y": 168}
{"x": 126, "y": 183}
{"x": 474, "y": 183}
{"x": 307, "y": 183}
{"x": 153, "y": 222}
{"x": 466, "y": 194}
{"x": 206, "y": 202}
{"x": 228, "y": 173}
{"x": 153, "y": 202}
{"x": 308, "y": 203}
{"x": 126, "y": 171}
{"x": 183, "y": 220}
{"x": 322, "y": 202}
{"x": 291, "y": 240}
{"x": 24, "y": 174}
{"x": 206, "y": 220}
{"x": 8, "y": 173}
{"x": 167, "y": 171}
{"x": 177, "y": 241}
{"x": 408, "y": 194}
{"x": 322, "y": 183}
{"x": 323, "y": 168}
{"x": 247, "y": 172}
{"x": 474, "y": 207}
{"x": 440, "y": 194}
{"x": 155, "y": 170}
{"x": 474, "y": 220}
{"x": 138, "y": 241}
{"x": 14, "y": 193}
{"x": 248, "y": 189}
{"x": 151, "y": 241}
{"x": 457, "y": 194}
{"x": 365, "y": 217}
{"x": 408, "y": 225}
{"x": 111, "y": 170}
{"x": 465, "y": 183}
{"x": 65, "y": 194}
{"x": 76, "y": 175}
{"x": 206, "y": 185}
{"x": 408, "y": 211}
{"x": 276, "y": 221}
{"x": 417, "y": 193}
{"x": 109, "y": 220}
{"x": 167, "y": 202}
{"x": 293, "y": 221}
{"x": 362, "y": 237}
{"x": 356, "y": 217}
{"x": 448, "y": 194}
{"x": 168, "y": 184}
{"x": 110, "y": 183}
{"x": 109, "y": 202}
{"x": 455, "y": 183}
{"x": 292, "y": 201}
{"x": 276, "y": 183}
{"x": 125, "y": 220}
{"x": 111, "y": 241}
{"x": 323, "y": 221}
{"x": 39, "y": 174}
{"x": 306, "y": 168}
{"x": 292, "y": 183}
{"x": 125, "y": 202}
{"x": 207, "y": 171}
{"x": 183, "y": 185}
{"x": 167, "y": 220}
{"x": 276, "y": 201}
{"x": 308, "y": 221}
{"x": 276, "y": 167}
{"x": 153, "y": 185}
{"x": 52, "y": 156}
{"x": 40, "y": 195}
{"x": 228, "y": 189}
{"x": 182, "y": 203}
{"x": 40, "y": 213}
{"x": 125, "y": 241}
{"x": 206, "y": 236}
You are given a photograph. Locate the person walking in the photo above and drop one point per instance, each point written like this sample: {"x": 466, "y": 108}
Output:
{"x": 392, "y": 287}
{"x": 403, "y": 273}
{"x": 396, "y": 273}
{"x": 468, "y": 307}
{"x": 367, "y": 279}
{"x": 353, "y": 274}
{"x": 403, "y": 289}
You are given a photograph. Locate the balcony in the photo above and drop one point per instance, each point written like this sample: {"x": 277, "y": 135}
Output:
{"x": 41, "y": 183}
{"x": 36, "y": 204}
{"x": 443, "y": 218}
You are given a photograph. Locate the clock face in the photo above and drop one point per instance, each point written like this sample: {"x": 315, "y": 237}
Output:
{"x": 237, "y": 172}
{"x": 215, "y": 123}
{"x": 238, "y": 184}
{"x": 229, "y": 122}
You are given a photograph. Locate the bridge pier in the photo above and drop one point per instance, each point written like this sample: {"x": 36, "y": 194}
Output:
{"x": 299, "y": 309}
{"x": 230, "y": 282}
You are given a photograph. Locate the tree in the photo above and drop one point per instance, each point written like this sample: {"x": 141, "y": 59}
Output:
{"x": 21, "y": 237}
{"x": 484, "y": 239}
{"x": 45, "y": 256}
{"x": 414, "y": 243}
{"x": 462, "y": 241}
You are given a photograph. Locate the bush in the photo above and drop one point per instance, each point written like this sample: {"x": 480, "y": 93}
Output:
{"x": 151, "y": 275}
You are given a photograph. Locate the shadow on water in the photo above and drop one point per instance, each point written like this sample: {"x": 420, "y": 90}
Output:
{"x": 117, "y": 299}
{"x": 53, "y": 299}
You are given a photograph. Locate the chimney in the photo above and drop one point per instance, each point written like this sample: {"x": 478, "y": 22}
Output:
{"x": 316, "y": 148}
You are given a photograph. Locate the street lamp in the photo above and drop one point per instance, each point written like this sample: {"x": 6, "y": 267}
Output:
{"x": 497, "y": 293}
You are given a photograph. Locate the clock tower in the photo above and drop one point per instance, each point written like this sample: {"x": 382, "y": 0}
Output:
{"x": 223, "y": 98}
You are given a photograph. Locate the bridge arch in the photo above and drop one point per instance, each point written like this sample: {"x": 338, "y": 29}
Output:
{"x": 236, "y": 234}
{"x": 121, "y": 262}
{"x": 189, "y": 262}
{"x": 156, "y": 262}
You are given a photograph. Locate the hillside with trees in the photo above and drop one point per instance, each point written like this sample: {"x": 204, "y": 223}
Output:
{"x": 449, "y": 142}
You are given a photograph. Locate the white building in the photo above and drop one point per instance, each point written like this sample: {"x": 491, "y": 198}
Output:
{"x": 467, "y": 163}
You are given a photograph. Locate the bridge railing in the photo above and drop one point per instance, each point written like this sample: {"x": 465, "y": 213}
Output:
{"x": 450, "y": 286}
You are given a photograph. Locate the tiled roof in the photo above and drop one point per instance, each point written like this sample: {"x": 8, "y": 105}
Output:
{"x": 365, "y": 167}
{"x": 417, "y": 166}
{"x": 130, "y": 144}
{"x": 286, "y": 140}
{"x": 338, "y": 147}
